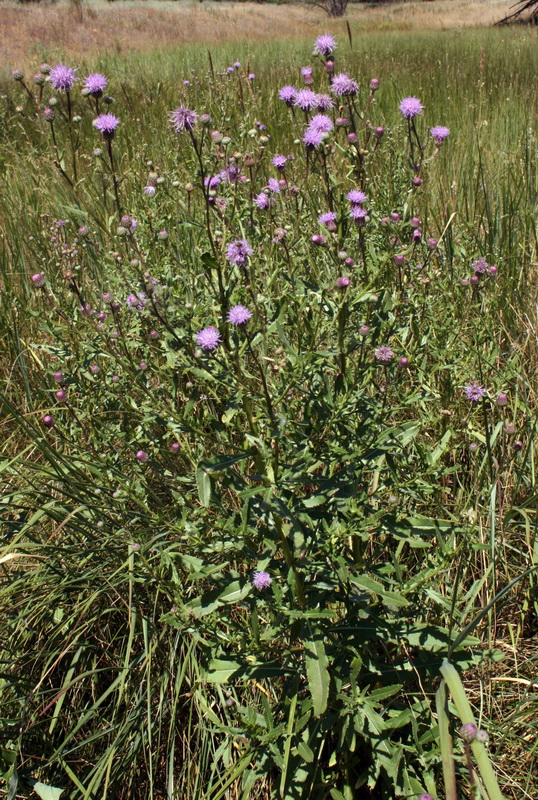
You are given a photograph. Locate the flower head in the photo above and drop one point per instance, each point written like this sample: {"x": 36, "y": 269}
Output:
{"x": 239, "y": 315}
{"x": 38, "y": 279}
{"x": 384, "y": 354}
{"x": 356, "y": 197}
{"x": 325, "y": 44}
{"x": 274, "y": 185}
{"x": 328, "y": 218}
{"x": 137, "y": 301}
{"x": 62, "y": 78}
{"x": 474, "y": 391}
{"x": 322, "y": 122}
{"x": 480, "y": 266}
{"x": 325, "y": 102}
{"x": 183, "y": 119}
{"x": 288, "y": 94}
{"x": 279, "y": 161}
{"x": 306, "y": 99}
{"x": 238, "y": 252}
{"x": 262, "y": 200}
{"x": 261, "y": 580}
{"x": 342, "y": 282}
{"x": 313, "y": 137}
{"x": 208, "y": 338}
{"x": 411, "y": 107}
{"x": 106, "y": 124}
{"x": 440, "y": 133}
{"x": 95, "y": 84}
{"x": 342, "y": 85}
{"x": 358, "y": 214}
{"x": 468, "y": 732}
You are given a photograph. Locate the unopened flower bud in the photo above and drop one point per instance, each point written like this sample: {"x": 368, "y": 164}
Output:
{"x": 468, "y": 732}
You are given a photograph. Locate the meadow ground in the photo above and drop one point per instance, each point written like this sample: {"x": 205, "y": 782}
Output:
{"x": 97, "y": 27}
{"x": 263, "y": 469}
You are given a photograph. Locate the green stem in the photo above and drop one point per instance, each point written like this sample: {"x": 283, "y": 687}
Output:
{"x": 465, "y": 713}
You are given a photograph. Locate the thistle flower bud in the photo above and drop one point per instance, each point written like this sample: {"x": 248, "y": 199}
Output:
{"x": 142, "y": 456}
{"x": 342, "y": 282}
{"x": 17, "y": 75}
{"x": 379, "y": 132}
{"x": 38, "y": 280}
{"x": 468, "y": 732}
{"x": 48, "y": 421}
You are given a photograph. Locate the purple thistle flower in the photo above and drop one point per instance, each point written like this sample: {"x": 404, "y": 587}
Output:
{"x": 411, "y": 107}
{"x": 328, "y": 219}
{"x": 306, "y": 72}
{"x": 384, "y": 354}
{"x": 95, "y": 84}
{"x": 474, "y": 391}
{"x": 279, "y": 162}
{"x": 239, "y": 315}
{"x": 182, "y": 119}
{"x": 325, "y": 102}
{"x": 262, "y": 200}
{"x": 288, "y": 94}
{"x": 211, "y": 181}
{"x": 137, "y": 301}
{"x": 251, "y": 76}
{"x": 274, "y": 185}
{"x": 480, "y": 266}
{"x": 325, "y": 44}
{"x": 208, "y": 338}
{"x": 261, "y": 580}
{"x": 238, "y": 252}
{"x": 106, "y": 124}
{"x": 306, "y": 99}
{"x": 358, "y": 214}
{"x": 440, "y": 133}
{"x": 321, "y": 122}
{"x": 62, "y": 78}
{"x": 343, "y": 86}
{"x": 356, "y": 197}
{"x": 149, "y": 191}
{"x": 313, "y": 138}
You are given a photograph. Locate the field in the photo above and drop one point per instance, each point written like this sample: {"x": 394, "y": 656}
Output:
{"x": 269, "y": 395}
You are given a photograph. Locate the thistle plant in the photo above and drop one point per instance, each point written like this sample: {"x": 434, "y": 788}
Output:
{"x": 240, "y": 465}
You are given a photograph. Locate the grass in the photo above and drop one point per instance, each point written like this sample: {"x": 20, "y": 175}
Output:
{"x": 138, "y": 659}
{"x": 95, "y": 28}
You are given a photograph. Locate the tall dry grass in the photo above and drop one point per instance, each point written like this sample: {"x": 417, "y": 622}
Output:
{"x": 32, "y": 31}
